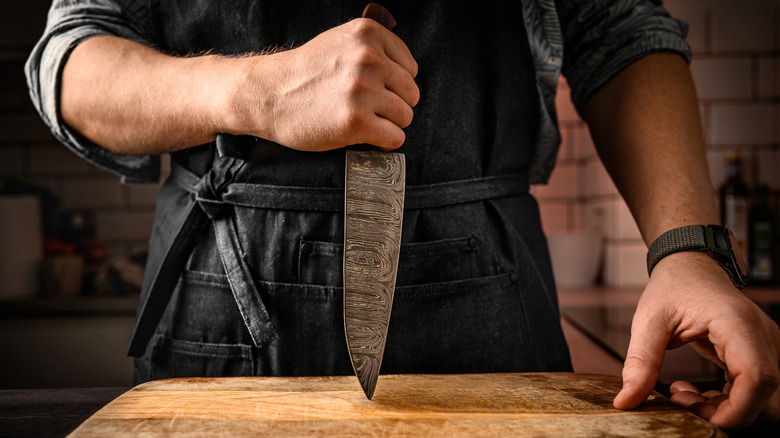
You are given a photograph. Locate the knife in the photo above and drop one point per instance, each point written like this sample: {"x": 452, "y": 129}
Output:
{"x": 375, "y": 182}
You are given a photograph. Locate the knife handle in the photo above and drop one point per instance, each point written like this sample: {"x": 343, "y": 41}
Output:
{"x": 378, "y": 13}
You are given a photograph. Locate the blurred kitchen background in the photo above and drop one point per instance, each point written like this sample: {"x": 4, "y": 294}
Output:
{"x": 73, "y": 239}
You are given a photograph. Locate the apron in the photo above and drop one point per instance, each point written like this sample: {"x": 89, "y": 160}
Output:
{"x": 245, "y": 263}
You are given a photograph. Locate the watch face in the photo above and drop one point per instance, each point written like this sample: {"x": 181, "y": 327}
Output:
{"x": 738, "y": 257}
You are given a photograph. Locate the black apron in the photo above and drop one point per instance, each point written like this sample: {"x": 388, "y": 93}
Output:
{"x": 245, "y": 267}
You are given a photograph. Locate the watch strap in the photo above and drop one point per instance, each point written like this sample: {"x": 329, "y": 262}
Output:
{"x": 687, "y": 238}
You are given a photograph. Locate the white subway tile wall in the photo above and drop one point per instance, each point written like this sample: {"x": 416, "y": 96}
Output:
{"x": 723, "y": 78}
{"x": 746, "y": 123}
{"x": 55, "y": 159}
{"x": 12, "y": 161}
{"x": 736, "y": 69}
{"x": 595, "y": 181}
{"x": 583, "y": 143}
{"x": 91, "y": 194}
{"x": 566, "y": 111}
{"x": 693, "y": 12}
{"x": 624, "y": 264}
{"x": 124, "y": 225}
{"x": 768, "y": 77}
{"x": 142, "y": 195}
{"x": 564, "y": 182}
{"x": 556, "y": 216}
{"x": 744, "y": 26}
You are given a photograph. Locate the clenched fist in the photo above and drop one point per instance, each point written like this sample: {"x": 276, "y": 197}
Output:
{"x": 351, "y": 84}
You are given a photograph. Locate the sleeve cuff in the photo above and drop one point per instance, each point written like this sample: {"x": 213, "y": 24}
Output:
{"x": 586, "y": 81}
{"x": 44, "y": 71}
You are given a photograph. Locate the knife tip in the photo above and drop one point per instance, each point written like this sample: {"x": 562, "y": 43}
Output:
{"x": 367, "y": 382}
{"x": 368, "y": 390}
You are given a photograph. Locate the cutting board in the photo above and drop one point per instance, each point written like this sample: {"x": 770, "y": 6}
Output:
{"x": 511, "y": 404}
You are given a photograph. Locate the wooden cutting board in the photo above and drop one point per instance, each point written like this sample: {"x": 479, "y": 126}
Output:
{"x": 535, "y": 404}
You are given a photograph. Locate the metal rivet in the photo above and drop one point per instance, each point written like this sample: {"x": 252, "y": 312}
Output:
{"x": 306, "y": 248}
{"x": 514, "y": 278}
{"x": 473, "y": 243}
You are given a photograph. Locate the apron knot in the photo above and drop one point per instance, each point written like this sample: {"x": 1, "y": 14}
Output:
{"x": 210, "y": 189}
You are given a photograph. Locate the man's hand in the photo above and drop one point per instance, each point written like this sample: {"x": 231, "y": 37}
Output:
{"x": 690, "y": 299}
{"x": 351, "y": 84}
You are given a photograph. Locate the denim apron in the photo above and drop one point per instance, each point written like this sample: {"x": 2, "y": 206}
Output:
{"x": 245, "y": 265}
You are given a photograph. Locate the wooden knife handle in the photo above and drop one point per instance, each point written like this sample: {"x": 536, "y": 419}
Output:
{"x": 378, "y": 13}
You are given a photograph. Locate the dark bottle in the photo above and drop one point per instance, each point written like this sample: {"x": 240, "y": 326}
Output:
{"x": 734, "y": 203}
{"x": 762, "y": 227}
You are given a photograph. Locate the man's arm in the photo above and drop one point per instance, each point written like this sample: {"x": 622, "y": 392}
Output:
{"x": 351, "y": 84}
{"x": 646, "y": 126}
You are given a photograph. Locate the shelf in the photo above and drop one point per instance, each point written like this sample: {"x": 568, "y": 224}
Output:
{"x": 69, "y": 307}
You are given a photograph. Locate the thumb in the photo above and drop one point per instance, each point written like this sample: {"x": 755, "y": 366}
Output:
{"x": 643, "y": 361}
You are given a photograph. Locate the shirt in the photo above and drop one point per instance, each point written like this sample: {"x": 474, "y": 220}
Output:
{"x": 598, "y": 38}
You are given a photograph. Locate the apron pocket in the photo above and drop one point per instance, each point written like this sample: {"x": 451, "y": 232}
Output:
{"x": 420, "y": 262}
{"x": 204, "y": 335}
{"x": 178, "y": 358}
{"x": 475, "y": 325}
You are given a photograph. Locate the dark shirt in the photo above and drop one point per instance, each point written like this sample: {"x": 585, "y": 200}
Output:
{"x": 590, "y": 41}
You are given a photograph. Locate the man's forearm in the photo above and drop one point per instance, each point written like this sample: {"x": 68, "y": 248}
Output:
{"x": 132, "y": 99}
{"x": 645, "y": 123}
{"x": 350, "y": 84}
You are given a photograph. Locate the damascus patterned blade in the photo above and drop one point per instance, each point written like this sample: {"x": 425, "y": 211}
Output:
{"x": 374, "y": 205}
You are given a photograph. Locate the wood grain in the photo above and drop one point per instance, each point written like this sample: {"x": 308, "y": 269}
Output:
{"x": 511, "y": 404}
{"x": 374, "y": 205}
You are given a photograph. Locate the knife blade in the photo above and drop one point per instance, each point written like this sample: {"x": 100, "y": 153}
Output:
{"x": 375, "y": 183}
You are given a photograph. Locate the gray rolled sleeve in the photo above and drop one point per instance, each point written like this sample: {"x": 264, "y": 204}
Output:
{"x": 70, "y": 22}
{"x": 603, "y": 37}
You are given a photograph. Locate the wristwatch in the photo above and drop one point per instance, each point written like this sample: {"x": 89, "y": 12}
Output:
{"x": 716, "y": 240}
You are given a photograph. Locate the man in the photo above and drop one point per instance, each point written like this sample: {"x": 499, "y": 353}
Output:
{"x": 256, "y": 102}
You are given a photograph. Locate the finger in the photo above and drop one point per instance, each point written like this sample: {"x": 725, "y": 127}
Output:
{"x": 703, "y": 410}
{"x": 394, "y": 109}
{"x": 396, "y": 50}
{"x": 384, "y": 134}
{"x": 643, "y": 360}
{"x": 712, "y": 393}
{"x": 756, "y": 377}
{"x": 772, "y": 411}
{"x": 687, "y": 398}
{"x": 393, "y": 47}
{"x": 683, "y": 386}
{"x": 694, "y": 402}
{"x": 401, "y": 83}
{"x": 717, "y": 399}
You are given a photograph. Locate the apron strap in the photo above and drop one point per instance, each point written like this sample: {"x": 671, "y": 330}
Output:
{"x": 208, "y": 194}
{"x": 164, "y": 279}
{"x": 214, "y": 197}
{"x": 204, "y": 198}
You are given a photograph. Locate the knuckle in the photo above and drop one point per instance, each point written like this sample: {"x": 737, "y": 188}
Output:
{"x": 396, "y": 139}
{"x": 407, "y": 114}
{"x": 362, "y": 25}
{"x": 363, "y": 29}
{"x": 352, "y": 120}
{"x": 768, "y": 378}
{"x": 415, "y": 68}
{"x": 365, "y": 56}
{"x": 352, "y": 86}
{"x": 415, "y": 92}
{"x": 743, "y": 423}
{"x": 771, "y": 413}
